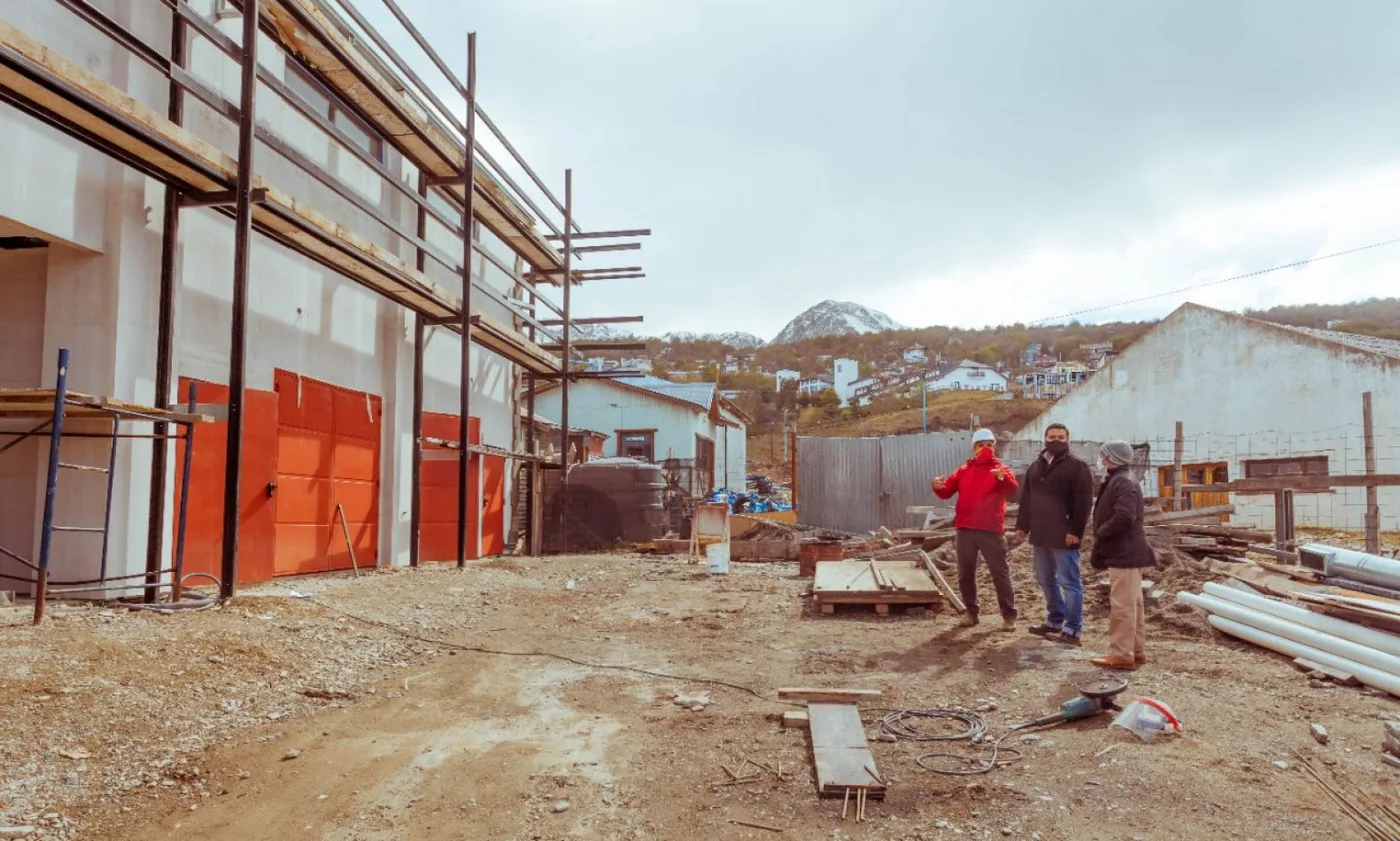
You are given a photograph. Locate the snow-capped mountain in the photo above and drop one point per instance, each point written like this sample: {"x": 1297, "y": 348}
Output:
{"x": 734, "y": 339}
{"x": 597, "y": 333}
{"x": 835, "y": 318}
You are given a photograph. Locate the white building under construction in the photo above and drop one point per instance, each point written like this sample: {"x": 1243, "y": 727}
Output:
{"x": 121, "y": 199}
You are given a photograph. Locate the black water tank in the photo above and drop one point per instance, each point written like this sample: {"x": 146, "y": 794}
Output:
{"x": 615, "y": 500}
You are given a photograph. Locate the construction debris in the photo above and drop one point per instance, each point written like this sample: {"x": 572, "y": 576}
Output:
{"x": 877, "y": 583}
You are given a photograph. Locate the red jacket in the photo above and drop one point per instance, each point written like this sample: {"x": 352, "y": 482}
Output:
{"x": 981, "y": 496}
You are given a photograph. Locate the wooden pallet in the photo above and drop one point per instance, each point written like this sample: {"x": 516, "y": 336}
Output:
{"x": 876, "y": 583}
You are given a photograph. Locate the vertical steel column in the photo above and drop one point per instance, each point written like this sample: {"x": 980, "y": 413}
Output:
{"x": 1372, "y": 517}
{"x": 165, "y": 333}
{"x": 111, "y": 480}
{"x": 532, "y": 468}
{"x": 242, "y": 236}
{"x": 468, "y": 228}
{"x": 177, "y": 572}
{"x": 60, "y": 394}
{"x": 415, "y": 494}
{"x": 565, "y": 449}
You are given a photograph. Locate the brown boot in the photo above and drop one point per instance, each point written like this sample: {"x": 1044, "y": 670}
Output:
{"x": 1124, "y": 663}
{"x": 1140, "y": 659}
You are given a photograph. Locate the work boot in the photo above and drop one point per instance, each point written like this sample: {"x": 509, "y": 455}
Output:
{"x": 1065, "y": 639}
{"x": 969, "y": 620}
{"x": 1123, "y": 663}
{"x": 1140, "y": 659}
{"x": 1043, "y": 630}
{"x": 1008, "y": 623}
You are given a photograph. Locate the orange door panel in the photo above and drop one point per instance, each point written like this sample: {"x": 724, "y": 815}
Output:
{"x": 438, "y": 529}
{"x": 204, "y": 527}
{"x": 328, "y": 456}
{"x": 493, "y": 508}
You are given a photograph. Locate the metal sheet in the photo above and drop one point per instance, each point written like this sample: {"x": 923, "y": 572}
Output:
{"x": 839, "y": 481}
{"x": 910, "y": 463}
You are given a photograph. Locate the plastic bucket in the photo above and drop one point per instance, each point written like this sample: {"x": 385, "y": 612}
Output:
{"x": 718, "y": 556}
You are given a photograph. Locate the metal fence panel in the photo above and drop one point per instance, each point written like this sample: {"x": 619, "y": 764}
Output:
{"x": 910, "y": 463}
{"x": 838, "y": 484}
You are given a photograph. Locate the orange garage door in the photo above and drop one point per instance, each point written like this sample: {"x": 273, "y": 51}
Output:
{"x": 327, "y": 455}
{"x": 204, "y": 527}
{"x": 485, "y": 493}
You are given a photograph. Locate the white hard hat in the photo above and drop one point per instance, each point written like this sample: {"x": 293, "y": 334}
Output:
{"x": 983, "y": 435}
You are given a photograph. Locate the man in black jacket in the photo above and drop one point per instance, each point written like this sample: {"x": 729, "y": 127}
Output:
{"x": 1121, "y": 547}
{"x": 1056, "y": 496}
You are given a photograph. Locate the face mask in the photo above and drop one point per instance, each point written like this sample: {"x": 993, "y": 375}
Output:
{"x": 985, "y": 454}
{"x": 1057, "y": 448}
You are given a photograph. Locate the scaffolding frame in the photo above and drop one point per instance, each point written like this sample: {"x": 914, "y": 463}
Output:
{"x": 197, "y": 178}
{"x": 59, "y": 404}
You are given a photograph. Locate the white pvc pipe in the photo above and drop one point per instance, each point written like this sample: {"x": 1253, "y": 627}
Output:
{"x": 1300, "y": 634}
{"x": 1367, "y": 675}
{"x": 1380, "y": 640}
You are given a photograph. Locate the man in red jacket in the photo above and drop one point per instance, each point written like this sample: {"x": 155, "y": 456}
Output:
{"x": 983, "y": 485}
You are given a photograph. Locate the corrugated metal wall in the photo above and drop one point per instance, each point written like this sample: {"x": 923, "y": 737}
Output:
{"x": 858, "y": 484}
{"x": 838, "y": 483}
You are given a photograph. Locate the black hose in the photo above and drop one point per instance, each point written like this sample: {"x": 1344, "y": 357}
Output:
{"x": 901, "y": 725}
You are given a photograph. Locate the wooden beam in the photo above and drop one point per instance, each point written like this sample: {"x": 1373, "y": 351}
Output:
{"x": 1373, "y": 510}
{"x": 1151, "y": 519}
{"x": 1178, "y": 480}
{"x": 1314, "y": 483}
{"x": 829, "y": 696}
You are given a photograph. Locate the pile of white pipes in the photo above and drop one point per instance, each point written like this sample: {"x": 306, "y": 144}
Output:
{"x": 1371, "y": 656}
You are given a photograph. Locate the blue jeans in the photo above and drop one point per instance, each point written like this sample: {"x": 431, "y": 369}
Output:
{"x": 1057, "y": 570}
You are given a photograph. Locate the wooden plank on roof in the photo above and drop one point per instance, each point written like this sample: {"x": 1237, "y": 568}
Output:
{"x": 306, "y": 31}
{"x": 89, "y": 103}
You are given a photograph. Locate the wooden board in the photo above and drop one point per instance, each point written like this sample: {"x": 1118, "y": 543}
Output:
{"x": 307, "y": 31}
{"x": 842, "y": 756}
{"x": 942, "y": 583}
{"x": 829, "y": 696}
{"x": 852, "y": 582}
{"x": 796, "y": 719}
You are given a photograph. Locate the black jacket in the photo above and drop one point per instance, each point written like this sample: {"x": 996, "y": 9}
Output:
{"x": 1119, "y": 541}
{"x": 1055, "y": 500}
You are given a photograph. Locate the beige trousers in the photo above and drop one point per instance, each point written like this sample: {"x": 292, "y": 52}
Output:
{"x": 1127, "y": 618}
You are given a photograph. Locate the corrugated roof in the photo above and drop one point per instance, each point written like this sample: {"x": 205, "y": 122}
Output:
{"x": 699, "y": 394}
{"x": 1388, "y": 348}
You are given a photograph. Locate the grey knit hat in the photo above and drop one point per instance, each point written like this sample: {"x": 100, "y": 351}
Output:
{"x": 1117, "y": 452}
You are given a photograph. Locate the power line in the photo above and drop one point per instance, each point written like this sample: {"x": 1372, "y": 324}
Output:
{"x": 1194, "y": 287}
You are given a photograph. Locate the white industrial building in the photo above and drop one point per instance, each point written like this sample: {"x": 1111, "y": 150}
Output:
{"x": 1256, "y": 400}
{"x": 337, "y": 286}
{"x": 653, "y": 419}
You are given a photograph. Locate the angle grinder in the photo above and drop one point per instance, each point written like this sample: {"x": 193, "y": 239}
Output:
{"x": 1094, "y": 698}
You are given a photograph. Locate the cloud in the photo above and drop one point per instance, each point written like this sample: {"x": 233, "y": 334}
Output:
{"x": 795, "y": 150}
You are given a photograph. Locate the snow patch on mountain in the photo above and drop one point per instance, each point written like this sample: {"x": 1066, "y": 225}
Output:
{"x": 734, "y": 339}
{"x": 835, "y": 318}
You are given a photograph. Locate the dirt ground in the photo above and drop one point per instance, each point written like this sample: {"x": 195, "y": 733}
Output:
{"x": 332, "y": 717}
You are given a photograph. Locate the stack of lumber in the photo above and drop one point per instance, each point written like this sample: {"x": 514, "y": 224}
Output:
{"x": 881, "y": 583}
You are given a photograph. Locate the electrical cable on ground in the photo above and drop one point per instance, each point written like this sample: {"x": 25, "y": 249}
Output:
{"x": 900, "y": 724}
{"x": 546, "y": 654}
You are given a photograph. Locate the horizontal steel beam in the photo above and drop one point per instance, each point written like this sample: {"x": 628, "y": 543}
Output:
{"x": 580, "y": 273}
{"x": 612, "y": 319}
{"x": 617, "y": 246}
{"x": 586, "y": 345}
{"x": 609, "y": 277}
{"x": 635, "y": 232}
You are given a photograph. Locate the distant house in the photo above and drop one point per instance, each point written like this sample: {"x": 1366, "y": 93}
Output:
{"x": 968, "y": 375}
{"x": 784, "y": 376}
{"x": 1056, "y": 381}
{"x": 861, "y": 390}
{"x": 916, "y": 355}
{"x": 637, "y": 363}
{"x": 1031, "y": 355}
{"x": 814, "y": 385}
{"x": 586, "y": 443}
{"x": 844, "y": 374}
{"x": 654, "y": 419}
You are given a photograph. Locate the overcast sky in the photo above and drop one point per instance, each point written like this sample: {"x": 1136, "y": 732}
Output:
{"x": 958, "y": 163}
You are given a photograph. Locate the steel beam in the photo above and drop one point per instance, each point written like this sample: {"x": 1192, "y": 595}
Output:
{"x": 565, "y": 338}
{"x": 634, "y": 232}
{"x": 221, "y": 198}
{"x": 242, "y": 242}
{"x": 468, "y": 228}
{"x": 165, "y": 340}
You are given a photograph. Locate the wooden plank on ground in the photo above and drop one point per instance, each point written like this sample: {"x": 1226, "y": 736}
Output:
{"x": 828, "y": 696}
{"x": 1152, "y": 519}
{"x": 796, "y": 719}
{"x": 842, "y": 756}
{"x": 942, "y": 583}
